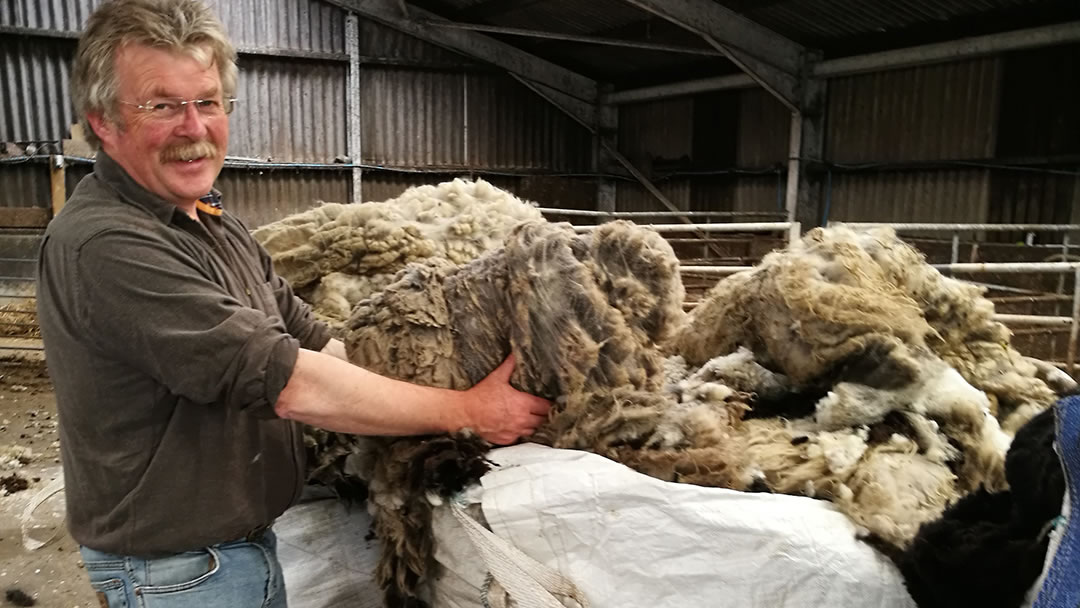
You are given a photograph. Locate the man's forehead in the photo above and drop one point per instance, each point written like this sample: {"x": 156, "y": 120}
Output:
{"x": 164, "y": 71}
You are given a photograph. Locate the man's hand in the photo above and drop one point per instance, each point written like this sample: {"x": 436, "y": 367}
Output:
{"x": 498, "y": 412}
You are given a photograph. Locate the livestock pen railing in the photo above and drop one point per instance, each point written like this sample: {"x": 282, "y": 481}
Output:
{"x": 737, "y": 245}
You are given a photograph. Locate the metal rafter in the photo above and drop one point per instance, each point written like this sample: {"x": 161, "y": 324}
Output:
{"x": 598, "y": 40}
{"x": 476, "y": 46}
{"x": 955, "y": 50}
{"x": 772, "y": 60}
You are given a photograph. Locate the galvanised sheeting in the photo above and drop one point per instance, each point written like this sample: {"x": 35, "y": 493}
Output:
{"x": 63, "y": 15}
{"x": 385, "y": 185}
{"x": 764, "y": 129}
{"x": 632, "y": 196}
{"x": 1023, "y": 197}
{"x": 573, "y": 16}
{"x": 308, "y": 25}
{"x": 911, "y": 196}
{"x": 412, "y": 118}
{"x": 290, "y": 110}
{"x": 25, "y": 185}
{"x": 822, "y": 21}
{"x": 381, "y": 42}
{"x": 261, "y": 197}
{"x": 510, "y": 127}
{"x": 662, "y": 129}
{"x": 34, "y": 87}
{"x": 760, "y": 193}
{"x": 938, "y": 112}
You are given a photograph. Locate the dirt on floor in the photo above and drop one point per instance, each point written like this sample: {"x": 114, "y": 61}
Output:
{"x": 39, "y": 562}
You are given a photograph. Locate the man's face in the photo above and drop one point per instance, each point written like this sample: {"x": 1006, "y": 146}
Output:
{"x": 179, "y": 157}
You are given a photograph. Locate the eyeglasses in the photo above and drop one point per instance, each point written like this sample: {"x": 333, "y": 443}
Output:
{"x": 167, "y": 108}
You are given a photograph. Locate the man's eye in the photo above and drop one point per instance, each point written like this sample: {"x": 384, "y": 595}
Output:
{"x": 164, "y": 106}
{"x": 206, "y": 104}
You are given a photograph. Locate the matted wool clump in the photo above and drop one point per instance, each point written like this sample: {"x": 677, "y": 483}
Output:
{"x": 840, "y": 304}
{"x": 336, "y": 255}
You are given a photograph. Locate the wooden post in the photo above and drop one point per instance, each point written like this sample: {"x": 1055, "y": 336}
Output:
{"x": 57, "y": 183}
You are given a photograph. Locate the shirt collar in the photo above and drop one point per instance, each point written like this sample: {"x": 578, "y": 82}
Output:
{"x": 110, "y": 171}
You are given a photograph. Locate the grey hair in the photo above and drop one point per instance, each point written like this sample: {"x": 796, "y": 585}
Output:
{"x": 180, "y": 26}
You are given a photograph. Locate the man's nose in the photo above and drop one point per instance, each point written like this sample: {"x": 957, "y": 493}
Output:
{"x": 192, "y": 124}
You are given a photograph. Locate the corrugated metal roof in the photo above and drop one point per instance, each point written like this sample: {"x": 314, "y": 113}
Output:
{"x": 34, "y": 84}
{"x": 946, "y": 111}
{"x": 821, "y": 21}
{"x": 308, "y": 25}
{"x": 510, "y": 127}
{"x": 290, "y": 110}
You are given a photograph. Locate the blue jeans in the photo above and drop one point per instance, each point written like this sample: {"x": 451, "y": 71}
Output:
{"x": 1061, "y": 588}
{"x": 238, "y": 574}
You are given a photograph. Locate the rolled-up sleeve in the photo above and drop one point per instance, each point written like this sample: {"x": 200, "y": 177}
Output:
{"x": 156, "y": 309}
{"x": 299, "y": 319}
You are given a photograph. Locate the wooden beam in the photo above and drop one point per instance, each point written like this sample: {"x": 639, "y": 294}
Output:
{"x": 24, "y": 217}
{"x": 57, "y": 183}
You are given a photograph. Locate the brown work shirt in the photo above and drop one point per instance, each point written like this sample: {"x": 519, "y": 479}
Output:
{"x": 168, "y": 342}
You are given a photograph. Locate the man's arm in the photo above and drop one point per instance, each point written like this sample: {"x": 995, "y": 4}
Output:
{"x": 329, "y": 393}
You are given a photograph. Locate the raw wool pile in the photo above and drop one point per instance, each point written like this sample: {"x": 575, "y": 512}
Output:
{"x": 889, "y": 432}
{"x": 584, "y": 317}
{"x": 336, "y": 255}
{"x": 900, "y": 433}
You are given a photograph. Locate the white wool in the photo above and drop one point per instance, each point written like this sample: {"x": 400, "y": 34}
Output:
{"x": 841, "y": 450}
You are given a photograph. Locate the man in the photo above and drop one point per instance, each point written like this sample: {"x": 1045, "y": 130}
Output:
{"x": 181, "y": 362}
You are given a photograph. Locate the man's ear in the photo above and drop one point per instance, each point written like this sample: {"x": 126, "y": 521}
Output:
{"x": 105, "y": 129}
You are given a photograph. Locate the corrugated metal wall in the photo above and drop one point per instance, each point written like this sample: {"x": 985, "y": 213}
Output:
{"x": 293, "y": 109}
{"x": 424, "y": 108}
{"x": 934, "y": 112}
{"x": 290, "y": 110}
{"x": 510, "y": 127}
{"x": 920, "y": 144}
{"x": 283, "y": 24}
{"x": 36, "y": 73}
{"x": 413, "y": 118}
{"x": 260, "y": 197}
{"x": 911, "y": 196}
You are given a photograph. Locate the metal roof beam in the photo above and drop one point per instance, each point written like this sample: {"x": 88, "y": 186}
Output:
{"x": 956, "y": 50}
{"x": 730, "y": 29}
{"x": 476, "y": 46}
{"x": 772, "y": 60}
{"x": 964, "y": 48}
{"x": 599, "y": 40}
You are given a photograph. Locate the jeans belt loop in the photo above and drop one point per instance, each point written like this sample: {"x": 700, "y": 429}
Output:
{"x": 256, "y": 533}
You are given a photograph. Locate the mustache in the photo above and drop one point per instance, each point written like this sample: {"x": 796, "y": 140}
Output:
{"x": 189, "y": 151}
